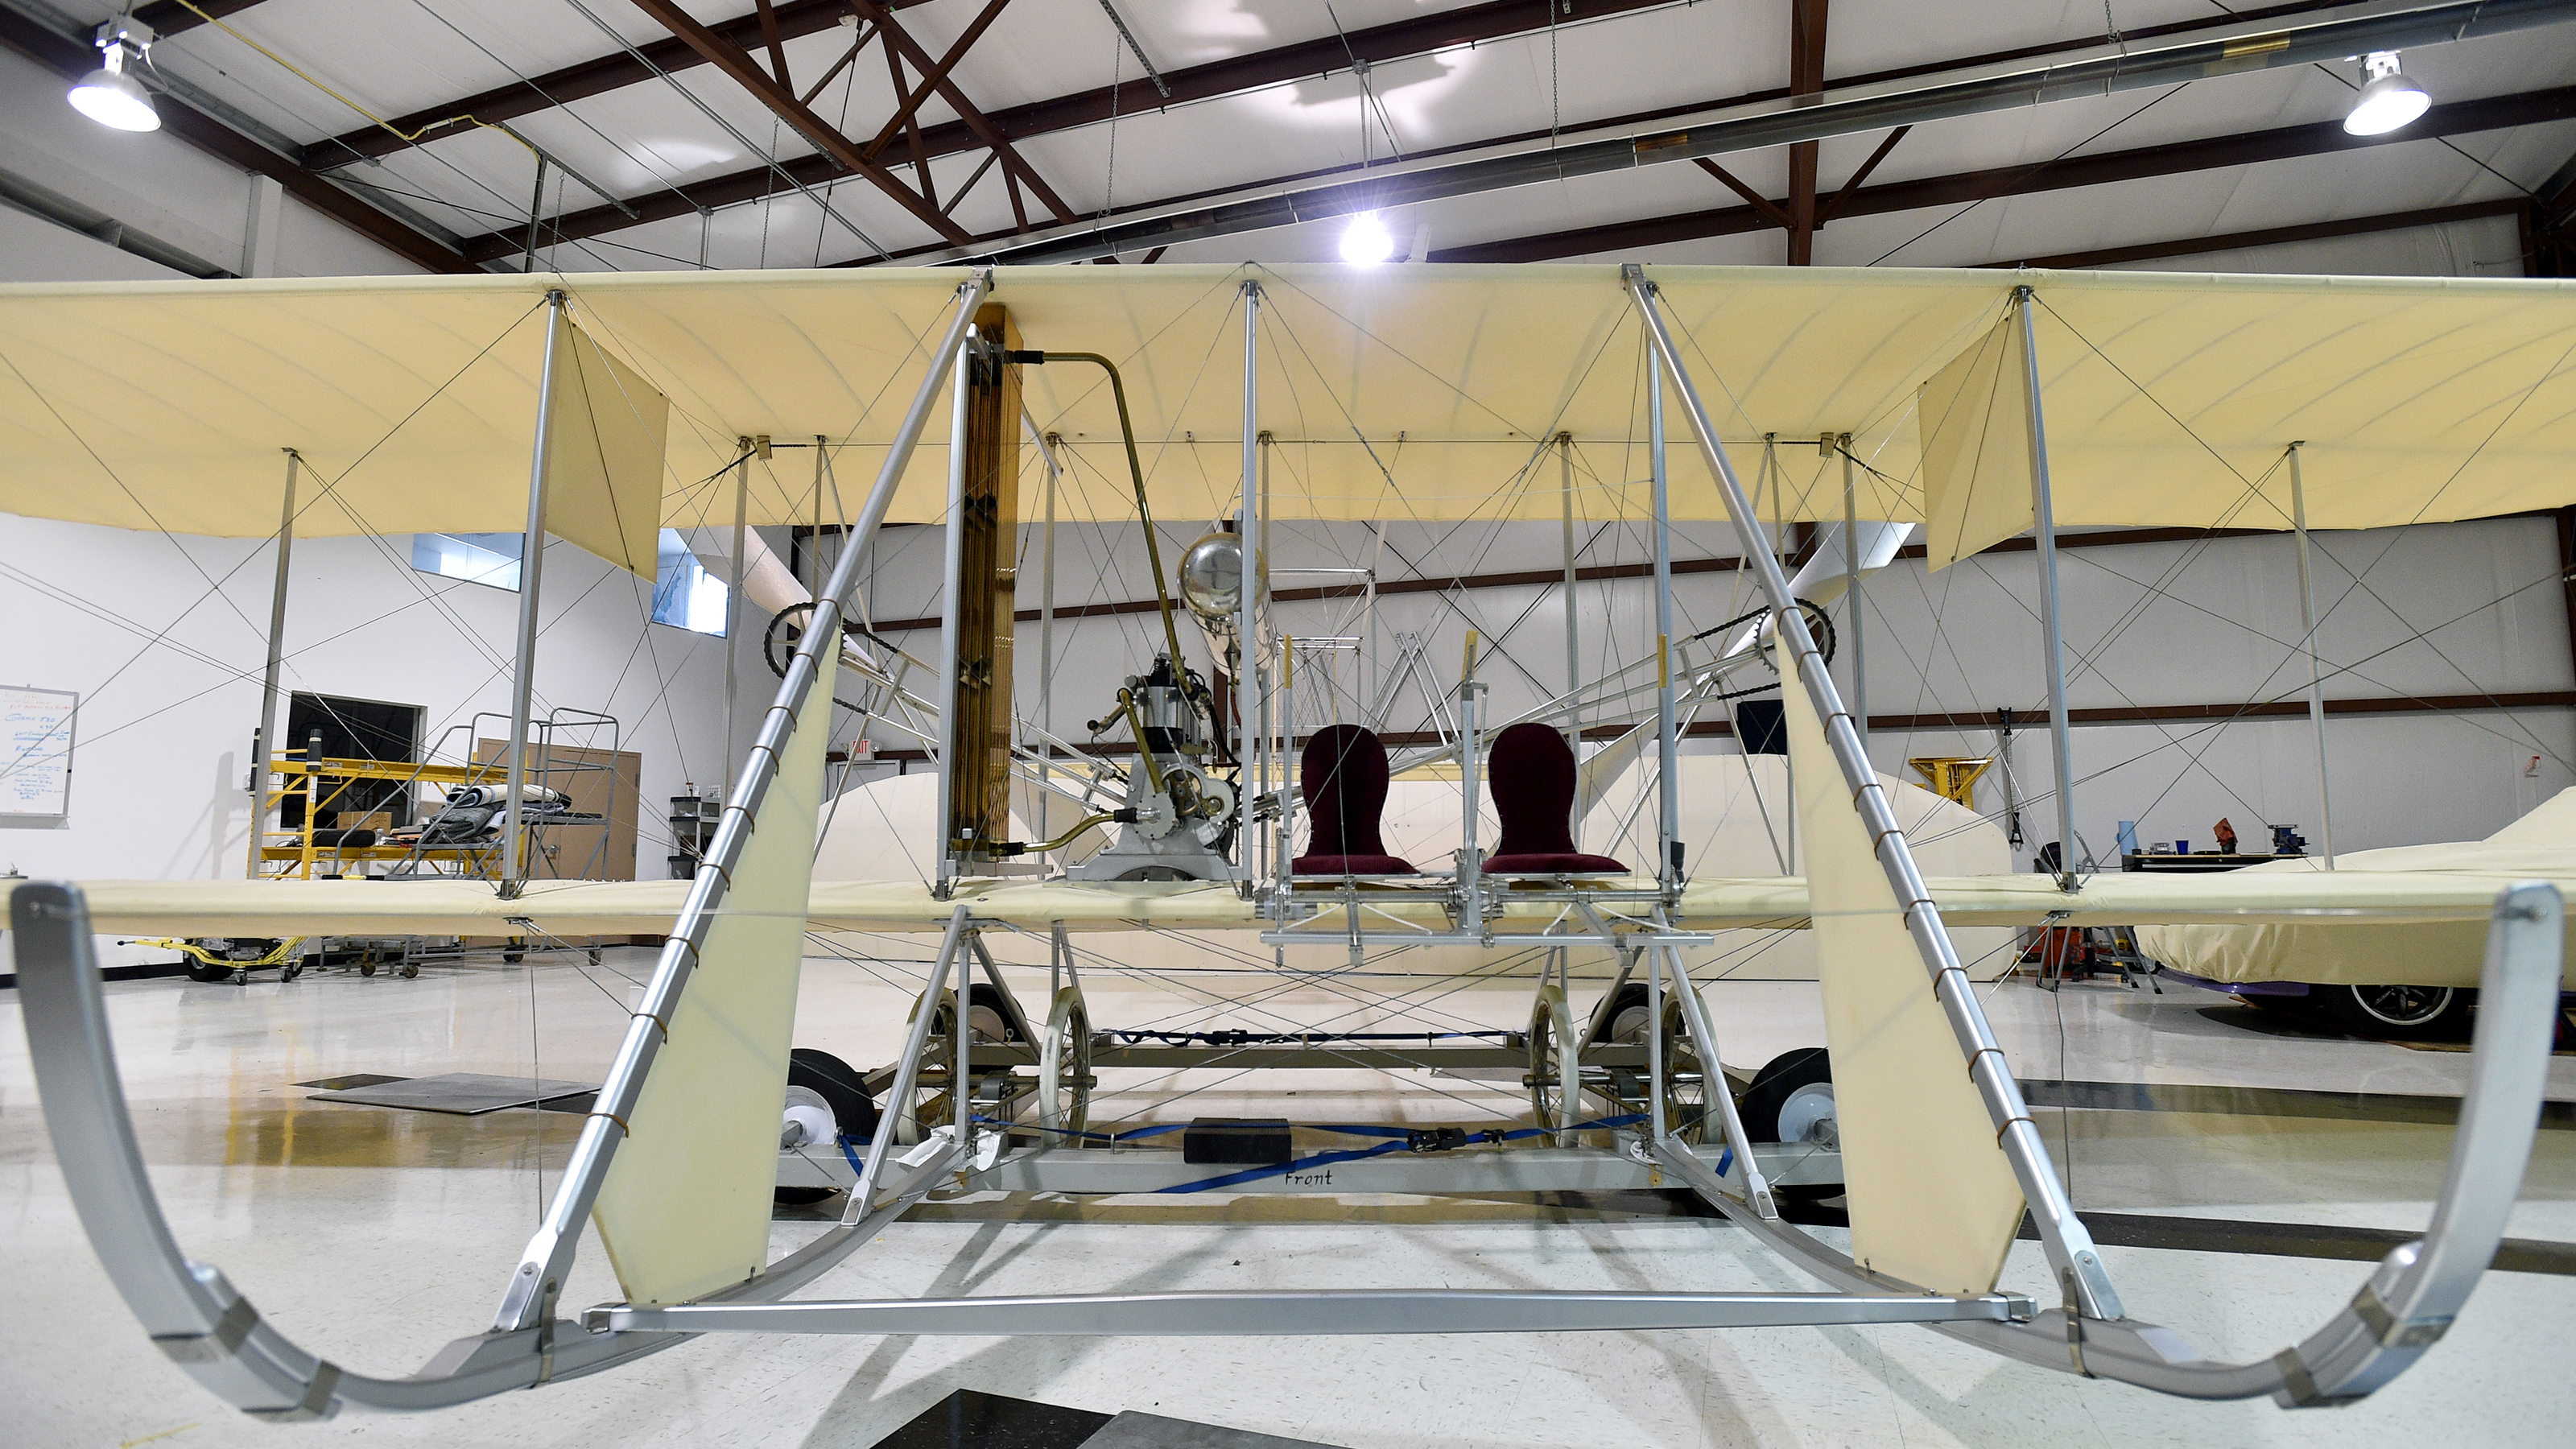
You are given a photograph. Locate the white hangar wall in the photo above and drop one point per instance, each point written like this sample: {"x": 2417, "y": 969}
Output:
{"x": 2439, "y": 611}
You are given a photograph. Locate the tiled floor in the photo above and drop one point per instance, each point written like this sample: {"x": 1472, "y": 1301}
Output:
{"x": 376, "y": 1235}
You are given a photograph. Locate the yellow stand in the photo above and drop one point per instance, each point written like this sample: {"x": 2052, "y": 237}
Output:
{"x": 1952, "y": 777}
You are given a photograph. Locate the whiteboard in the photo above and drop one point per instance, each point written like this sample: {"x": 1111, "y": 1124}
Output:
{"x": 36, "y": 752}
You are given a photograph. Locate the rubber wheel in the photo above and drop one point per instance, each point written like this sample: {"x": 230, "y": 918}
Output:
{"x": 1772, "y": 1086}
{"x": 366, "y": 968}
{"x": 2397, "y": 1013}
{"x": 1621, "y": 1019}
{"x": 292, "y": 970}
{"x": 982, "y": 996}
{"x": 207, "y": 972}
{"x": 1556, "y": 1091}
{"x": 407, "y": 972}
{"x": 854, "y": 1112}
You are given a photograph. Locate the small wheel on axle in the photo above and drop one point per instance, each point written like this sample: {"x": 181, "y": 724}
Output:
{"x": 1064, "y": 1068}
{"x": 1555, "y": 1079}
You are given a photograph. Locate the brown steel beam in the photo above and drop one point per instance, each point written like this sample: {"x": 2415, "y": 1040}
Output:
{"x": 736, "y": 62}
{"x": 1806, "y": 78}
{"x": 71, "y": 60}
{"x": 908, "y": 107}
{"x": 1467, "y": 26}
{"x": 776, "y": 44}
{"x": 1753, "y": 198}
{"x": 2170, "y": 159}
{"x": 2271, "y": 236}
{"x": 573, "y": 83}
{"x": 906, "y": 120}
{"x": 969, "y": 116}
{"x": 838, "y": 66}
{"x": 1826, "y": 211}
{"x": 2264, "y": 709}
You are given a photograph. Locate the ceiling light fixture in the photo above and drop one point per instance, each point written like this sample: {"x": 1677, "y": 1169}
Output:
{"x": 108, "y": 95}
{"x": 2389, "y": 101}
{"x": 1366, "y": 241}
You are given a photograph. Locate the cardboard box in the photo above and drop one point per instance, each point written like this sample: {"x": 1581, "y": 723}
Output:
{"x": 379, "y": 821}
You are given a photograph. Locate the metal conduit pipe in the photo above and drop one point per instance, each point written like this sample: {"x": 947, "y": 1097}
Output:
{"x": 2101, "y": 70}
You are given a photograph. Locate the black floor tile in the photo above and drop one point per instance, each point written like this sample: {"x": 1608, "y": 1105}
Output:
{"x": 969, "y": 1420}
{"x": 1133, "y": 1430}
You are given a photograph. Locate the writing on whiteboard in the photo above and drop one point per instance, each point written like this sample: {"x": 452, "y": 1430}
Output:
{"x": 36, "y": 751}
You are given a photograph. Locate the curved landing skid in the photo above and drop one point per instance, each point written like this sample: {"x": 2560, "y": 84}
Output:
{"x": 204, "y": 1324}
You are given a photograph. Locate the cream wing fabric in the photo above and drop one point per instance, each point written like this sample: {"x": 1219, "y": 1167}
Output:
{"x": 1425, "y": 391}
{"x": 1974, "y": 417}
{"x": 685, "y": 1209}
{"x": 1933, "y": 1200}
{"x": 604, "y": 453}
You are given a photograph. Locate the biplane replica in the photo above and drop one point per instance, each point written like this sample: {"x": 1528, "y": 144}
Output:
{"x": 1236, "y": 809}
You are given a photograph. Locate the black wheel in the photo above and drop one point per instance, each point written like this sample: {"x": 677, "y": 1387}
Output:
{"x": 989, "y": 1014}
{"x": 854, "y": 1112}
{"x": 291, "y": 970}
{"x": 407, "y": 971}
{"x": 240, "y": 978}
{"x": 367, "y": 967}
{"x": 2397, "y": 1013}
{"x": 1782, "y": 1079}
{"x": 1622, "y": 1018}
{"x": 514, "y": 957}
{"x": 1779, "y": 1079}
{"x": 208, "y": 972}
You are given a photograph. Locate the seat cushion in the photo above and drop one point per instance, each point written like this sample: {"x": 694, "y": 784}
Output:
{"x": 1351, "y": 865}
{"x": 1559, "y": 862}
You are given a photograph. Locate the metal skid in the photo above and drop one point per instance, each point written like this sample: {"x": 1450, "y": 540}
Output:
{"x": 1011, "y": 1115}
{"x": 204, "y": 1324}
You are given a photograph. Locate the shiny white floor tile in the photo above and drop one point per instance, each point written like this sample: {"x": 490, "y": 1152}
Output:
{"x": 374, "y": 1236}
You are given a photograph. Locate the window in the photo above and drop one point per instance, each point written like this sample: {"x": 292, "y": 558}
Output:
{"x": 478, "y": 558}
{"x": 685, "y": 595}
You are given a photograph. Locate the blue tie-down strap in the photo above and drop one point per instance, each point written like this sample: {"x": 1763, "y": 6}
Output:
{"x": 1131, "y": 1135}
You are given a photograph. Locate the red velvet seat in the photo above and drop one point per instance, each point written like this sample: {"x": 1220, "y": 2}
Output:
{"x": 1343, "y": 777}
{"x": 1531, "y": 772}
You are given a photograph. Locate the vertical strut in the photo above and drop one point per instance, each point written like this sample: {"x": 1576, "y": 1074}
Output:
{"x": 532, "y": 567}
{"x": 1247, "y": 665}
{"x": 1668, "y": 786}
{"x": 2308, "y": 642}
{"x": 1573, "y": 616}
{"x": 1851, "y": 592}
{"x": 2052, "y": 620}
{"x": 733, "y": 594}
{"x": 263, "y": 748}
{"x": 952, "y": 594}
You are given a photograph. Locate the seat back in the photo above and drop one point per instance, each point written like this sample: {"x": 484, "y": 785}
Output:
{"x": 1531, "y": 772}
{"x": 1342, "y": 774}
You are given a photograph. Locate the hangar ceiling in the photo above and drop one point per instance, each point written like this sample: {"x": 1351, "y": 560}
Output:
{"x": 635, "y": 134}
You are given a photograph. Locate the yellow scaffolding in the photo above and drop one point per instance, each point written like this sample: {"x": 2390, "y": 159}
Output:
{"x": 292, "y": 854}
